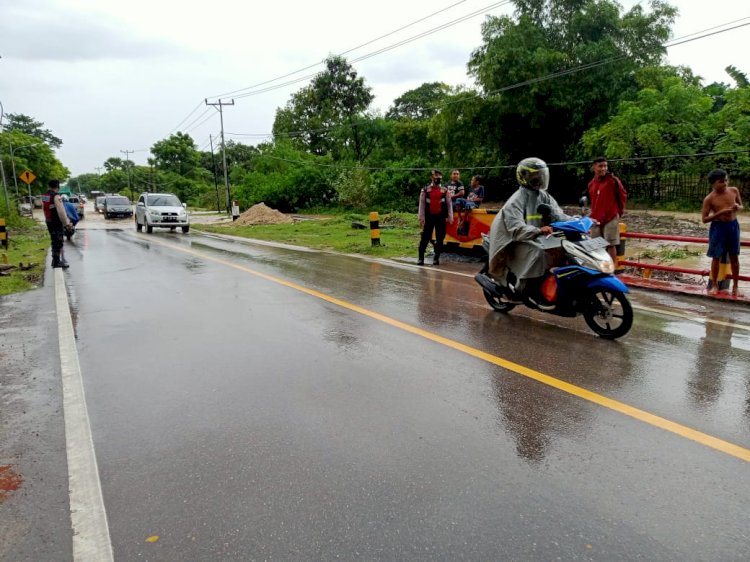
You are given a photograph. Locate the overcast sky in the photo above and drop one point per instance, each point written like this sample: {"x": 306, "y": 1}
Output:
{"x": 107, "y": 76}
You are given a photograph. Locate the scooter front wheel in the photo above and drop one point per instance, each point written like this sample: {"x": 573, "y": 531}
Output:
{"x": 498, "y": 304}
{"x": 609, "y": 313}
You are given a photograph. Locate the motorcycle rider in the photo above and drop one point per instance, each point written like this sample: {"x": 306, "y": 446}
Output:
{"x": 514, "y": 244}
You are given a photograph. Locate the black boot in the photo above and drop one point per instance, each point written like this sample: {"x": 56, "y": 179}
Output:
{"x": 420, "y": 261}
{"x": 436, "y": 261}
{"x": 56, "y": 259}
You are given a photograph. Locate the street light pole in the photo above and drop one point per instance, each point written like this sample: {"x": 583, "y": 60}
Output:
{"x": 13, "y": 163}
{"x": 2, "y": 169}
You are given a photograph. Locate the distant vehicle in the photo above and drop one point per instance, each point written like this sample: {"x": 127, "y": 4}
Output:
{"x": 117, "y": 206}
{"x": 78, "y": 202}
{"x": 160, "y": 210}
{"x": 99, "y": 204}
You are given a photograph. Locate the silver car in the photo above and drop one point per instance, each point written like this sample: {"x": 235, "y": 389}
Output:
{"x": 160, "y": 210}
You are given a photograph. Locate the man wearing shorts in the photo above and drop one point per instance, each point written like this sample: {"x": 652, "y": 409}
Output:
{"x": 720, "y": 209}
{"x": 608, "y": 198}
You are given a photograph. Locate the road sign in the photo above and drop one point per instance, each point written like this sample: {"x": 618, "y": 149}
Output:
{"x": 27, "y": 177}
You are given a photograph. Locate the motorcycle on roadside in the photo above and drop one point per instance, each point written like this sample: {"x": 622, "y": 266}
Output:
{"x": 581, "y": 282}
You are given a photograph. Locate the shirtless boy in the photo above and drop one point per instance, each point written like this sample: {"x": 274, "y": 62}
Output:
{"x": 720, "y": 209}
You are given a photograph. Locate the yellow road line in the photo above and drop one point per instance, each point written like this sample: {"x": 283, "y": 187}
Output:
{"x": 705, "y": 439}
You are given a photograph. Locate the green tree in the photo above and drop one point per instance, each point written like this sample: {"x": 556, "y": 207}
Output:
{"x": 177, "y": 154}
{"x": 560, "y": 67}
{"x": 670, "y": 117}
{"x": 32, "y": 127}
{"x": 419, "y": 104}
{"x": 329, "y": 115}
{"x": 32, "y": 153}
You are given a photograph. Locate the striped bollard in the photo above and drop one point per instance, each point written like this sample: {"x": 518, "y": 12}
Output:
{"x": 621, "y": 248}
{"x": 3, "y": 234}
{"x": 374, "y": 229}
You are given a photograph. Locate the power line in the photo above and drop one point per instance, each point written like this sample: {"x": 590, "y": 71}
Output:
{"x": 504, "y": 166}
{"x": 340, "y": 54}
{"x": 553, "y": 75}
{"x": 379, "y": 51}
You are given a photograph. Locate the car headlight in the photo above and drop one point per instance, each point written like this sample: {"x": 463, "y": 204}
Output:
{"x": 154, "y": 214}
{"x": 182, "y": 212}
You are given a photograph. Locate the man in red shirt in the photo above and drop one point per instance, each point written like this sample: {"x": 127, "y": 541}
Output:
{"x": 608, "y": 198}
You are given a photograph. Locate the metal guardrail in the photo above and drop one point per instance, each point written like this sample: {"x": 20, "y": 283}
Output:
{"x": 724, "y": 273}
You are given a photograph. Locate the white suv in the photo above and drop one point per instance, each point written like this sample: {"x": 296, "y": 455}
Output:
{"x": 160, "y": 210}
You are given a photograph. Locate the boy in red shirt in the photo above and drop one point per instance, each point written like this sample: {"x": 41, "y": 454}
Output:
{"x": 608, "y": 198}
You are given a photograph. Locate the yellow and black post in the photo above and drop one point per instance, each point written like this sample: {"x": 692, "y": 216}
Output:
{"x": 619, "y": 268}
{"x": 374, "y": 229}
{"x": 3, "y": 234}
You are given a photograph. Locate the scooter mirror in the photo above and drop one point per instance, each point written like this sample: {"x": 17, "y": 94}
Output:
{"x": 583, "y": 202}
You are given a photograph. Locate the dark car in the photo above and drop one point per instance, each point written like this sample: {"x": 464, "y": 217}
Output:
{"x": 117, "y": 206}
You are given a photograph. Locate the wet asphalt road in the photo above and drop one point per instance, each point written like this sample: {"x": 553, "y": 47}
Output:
{"x": 238, "y": 418}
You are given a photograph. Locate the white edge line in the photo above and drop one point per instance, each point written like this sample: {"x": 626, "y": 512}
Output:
{"x": 91, "y": 540}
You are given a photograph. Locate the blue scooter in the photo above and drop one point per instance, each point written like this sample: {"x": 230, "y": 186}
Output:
{"x": 581, "y": 281}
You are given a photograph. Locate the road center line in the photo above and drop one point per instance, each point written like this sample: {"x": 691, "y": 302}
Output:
{"x": 705, "y": 439}
{"x": 91, "y": 540}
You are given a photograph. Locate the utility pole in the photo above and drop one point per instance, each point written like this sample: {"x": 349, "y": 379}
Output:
{"x": 98, "y": 170}
{"x": 127, "y": 154}
{"x": 220, "y": 104}
{"x": 216, "y": 182}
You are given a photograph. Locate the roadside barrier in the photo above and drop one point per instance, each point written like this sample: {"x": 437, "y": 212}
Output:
{"x": 724, "y": 276}
{"x": 374, "y": 228}
{"x": 3, "y": 234}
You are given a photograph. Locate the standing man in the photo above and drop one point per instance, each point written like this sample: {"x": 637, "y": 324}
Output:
{"x": 435, "y": 209}
{"x": 57, "y": 222}
{"x": 720, "y": 209}
{"x": 608, "y": 198}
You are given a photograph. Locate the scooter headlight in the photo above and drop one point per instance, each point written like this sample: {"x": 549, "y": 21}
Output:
{"x": 606, "y": 266}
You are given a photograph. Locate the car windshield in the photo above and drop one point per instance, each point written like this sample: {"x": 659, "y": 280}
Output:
{"x": 118, "y": 201}
{"x": 163, "y": 201}
{"x": 100, "y": 200}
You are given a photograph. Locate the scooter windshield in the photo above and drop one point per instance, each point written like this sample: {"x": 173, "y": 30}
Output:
{"x": 582, "y": 225}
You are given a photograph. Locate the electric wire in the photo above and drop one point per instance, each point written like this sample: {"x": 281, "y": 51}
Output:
{"x": 340, "y": 54}
{"x": 380, "y": 51}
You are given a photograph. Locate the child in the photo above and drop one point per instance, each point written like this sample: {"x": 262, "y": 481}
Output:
{"x": 720, "y": 209}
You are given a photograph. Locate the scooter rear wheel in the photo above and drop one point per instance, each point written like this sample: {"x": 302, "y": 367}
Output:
{"x": 498, "y": 304}
{"x": 609, "y": 314}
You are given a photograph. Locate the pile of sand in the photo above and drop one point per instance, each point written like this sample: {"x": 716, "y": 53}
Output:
{"x": 261, "y": 214}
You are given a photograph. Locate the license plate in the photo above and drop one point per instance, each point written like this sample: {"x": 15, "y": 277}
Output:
{"x": 594, "y": 243}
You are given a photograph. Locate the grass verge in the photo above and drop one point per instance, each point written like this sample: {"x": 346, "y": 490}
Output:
{"x": 28, "y": 242}
{"x": 399, "y": 234}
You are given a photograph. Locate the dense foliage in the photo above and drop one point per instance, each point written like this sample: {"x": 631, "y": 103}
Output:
{"x": 564, "y": 80}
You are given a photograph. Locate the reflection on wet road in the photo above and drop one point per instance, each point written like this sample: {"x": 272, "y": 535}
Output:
{"x": 386, "y": 418}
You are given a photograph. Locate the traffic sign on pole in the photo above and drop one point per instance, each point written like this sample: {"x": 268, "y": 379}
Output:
{"x": 27, "y": 177}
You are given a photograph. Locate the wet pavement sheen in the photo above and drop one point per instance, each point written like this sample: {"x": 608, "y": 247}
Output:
{"x": 239, "y": 419}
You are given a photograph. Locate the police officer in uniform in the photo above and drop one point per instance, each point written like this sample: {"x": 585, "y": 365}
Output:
{"x": 435, "y": 209}
{"x": 57, "y": 222}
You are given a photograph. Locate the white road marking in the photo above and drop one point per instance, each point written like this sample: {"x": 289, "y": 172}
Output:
{"x": 91, "y": 540}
